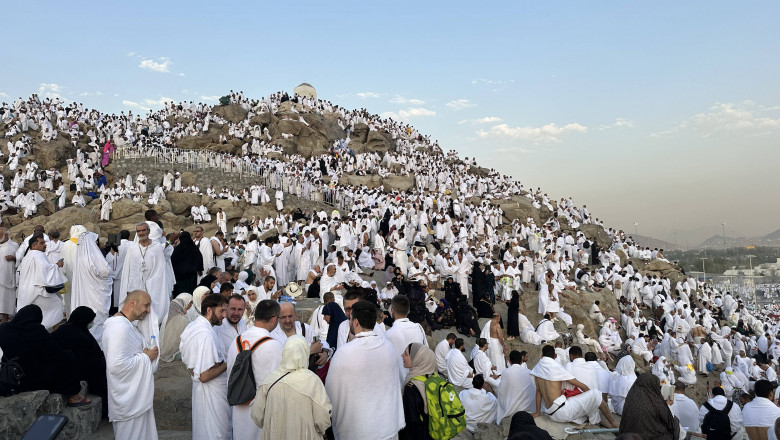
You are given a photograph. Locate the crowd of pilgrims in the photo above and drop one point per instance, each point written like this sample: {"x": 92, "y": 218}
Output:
{"x": 387, "y": 269}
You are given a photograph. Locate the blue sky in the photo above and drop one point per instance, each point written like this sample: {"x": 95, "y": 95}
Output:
{"x": 661, "y": 113}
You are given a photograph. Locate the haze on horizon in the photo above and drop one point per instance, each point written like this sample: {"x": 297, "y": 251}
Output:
{"x": 664, "y": 114}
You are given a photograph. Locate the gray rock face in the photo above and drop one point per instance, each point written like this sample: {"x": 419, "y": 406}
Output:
{"x": 597, "y": 233}
{"x": 231, "y": 112}
{"x": 19, "y": 412}
{"x": 173, "y": 397}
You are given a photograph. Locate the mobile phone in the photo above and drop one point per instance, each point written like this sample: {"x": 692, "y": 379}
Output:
{"x": 46, "y": 427}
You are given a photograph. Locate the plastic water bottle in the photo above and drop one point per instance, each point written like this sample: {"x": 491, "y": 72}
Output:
{"x": 153, "y": 342}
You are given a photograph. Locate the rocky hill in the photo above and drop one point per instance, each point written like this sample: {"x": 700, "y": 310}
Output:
{"x": 716, "y": 241}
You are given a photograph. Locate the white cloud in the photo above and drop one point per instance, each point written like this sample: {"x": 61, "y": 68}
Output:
{"x": 491, "y": 82}
{"x": 51, "y": 90}
{"x": 163, "y": 65}
{"x": 619, "y": 123}
{"x": 210, "y": 98}
{"x": 487, "y": 120}
{"x": 130, "y": 54}
{"x": 3, "y": 95}
{"x": 134, "y": 104}
{"x": 157, "y": 102}
{"x": 513, "y": 150}
{"x": 406, "y": 101}
{"x": 181, "y": 74}
{"x": 463, "y": 122}
{"x": 726, "y": 119}
{"x": 415, "y": 111}
{"x": 545, "y": 134}
{"x": 392, "y": 115}
{"x": 408, "y": 113}
{"x": 460, "y": 104}
{"x": 365, "y": 95}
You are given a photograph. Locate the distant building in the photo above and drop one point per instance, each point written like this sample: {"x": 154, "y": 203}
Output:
{"x": 765, "y": 269}
{"x": 307, "y": 90}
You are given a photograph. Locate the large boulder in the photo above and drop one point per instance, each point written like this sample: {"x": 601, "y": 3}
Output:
{"x": 398, "y": 183}
{"x": 181, "y": 203}
{"x": 62, "y": 220}
{"x": 378, "y": 141}
{"x": 660, "y": 268}
{"x": 597, "y": 233}
{"x": 231, "y": 212}
{"x": 124, "y": 208}
{"x": 232, "y": 112}
{"x": 518, "y": 208}
{"x": 308, "y": 142}
{"x": 327, "y": 125}
{"x": 53, "y": 154}
{"x": 370, "y": 180}
{"x": 19, "y": 412}
{"x": 359, "y": 133}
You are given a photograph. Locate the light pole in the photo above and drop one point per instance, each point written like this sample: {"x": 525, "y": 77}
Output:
{"x": 636, "y": 230}
{"x": 751, "y": 283}
{"x": 704, "y": 272}
{"x": 724, "y": 236}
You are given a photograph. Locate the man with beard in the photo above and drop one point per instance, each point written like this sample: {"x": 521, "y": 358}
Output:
{"x": 204, "y": 355}
{"x": 266, "y": 358}
{"x": 233, "y": 323}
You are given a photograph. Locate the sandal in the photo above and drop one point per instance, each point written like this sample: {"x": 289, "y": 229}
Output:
{"x": 82, "y": 402}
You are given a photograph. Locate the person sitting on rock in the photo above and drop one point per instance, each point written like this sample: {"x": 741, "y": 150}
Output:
{"x": 46, "y": 365}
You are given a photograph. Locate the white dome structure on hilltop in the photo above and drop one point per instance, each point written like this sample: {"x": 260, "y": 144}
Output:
{"x": 306, "y": 89}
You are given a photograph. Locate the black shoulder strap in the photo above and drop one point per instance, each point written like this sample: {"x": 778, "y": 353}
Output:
{"x": 277, "y": 380}
{"x": 260, "y": 342}
{"x": 303, "y": 330}
{"x": 726, "y": 409}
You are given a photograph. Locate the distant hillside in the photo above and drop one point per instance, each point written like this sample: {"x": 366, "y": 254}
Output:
{"x": 716, "y": 241}
{"x": 655, "y": 243}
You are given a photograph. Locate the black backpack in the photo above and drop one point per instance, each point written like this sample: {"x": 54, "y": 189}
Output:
{"x": 11, "y": 375}
{"x": 241, "y": 382}
{"x": 716, "y": 423}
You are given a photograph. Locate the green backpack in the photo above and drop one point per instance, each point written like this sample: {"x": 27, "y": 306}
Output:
{"x": 446, "y": 415}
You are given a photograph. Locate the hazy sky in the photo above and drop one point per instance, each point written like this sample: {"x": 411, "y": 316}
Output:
{"x": 661, "y": 113}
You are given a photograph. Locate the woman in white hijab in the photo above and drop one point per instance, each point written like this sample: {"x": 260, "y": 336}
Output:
{"x": 662, "y": 371}
{"x": 251, "y": 302}
{"x": 197, "y": 298}
{"x": 171, "y": 329}
{"x": 731, "y": 382}
{"x": 292, "y": 402}
{"x": 620, "y": 382}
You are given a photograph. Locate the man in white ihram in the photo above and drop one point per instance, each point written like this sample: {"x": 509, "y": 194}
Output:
{"x": 8, "y": 249}
{"x": 145, "y": 268}
{"x": 364, "y": 408}
{"x": 204, "y": 355}
{"x": 265, "y": 359}
{"x": 35, "y": 274}
{"x": 404, "y": 332}
{"x": 129, "y": 371}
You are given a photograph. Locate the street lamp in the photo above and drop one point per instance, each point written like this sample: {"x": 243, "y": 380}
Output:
{"x": 704, "y": 272}
{"x": 636, "y": 230}
{"x": 724, "y": 236}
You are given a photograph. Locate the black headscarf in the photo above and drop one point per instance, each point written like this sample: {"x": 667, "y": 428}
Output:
{"x": 46, "y": 365}
{"x": 186, "y": 257}
{"x": 646, "y": 412}
{"x": 74, "y": 335}
{"x": 523, "y": 423}
{"x": 207, "y": 280}
{"x": 26, "y": 328}
{"x": 337, "y": 316}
